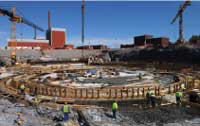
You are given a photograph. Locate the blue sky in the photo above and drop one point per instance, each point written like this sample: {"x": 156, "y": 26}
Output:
{"x": 109, "y": 23}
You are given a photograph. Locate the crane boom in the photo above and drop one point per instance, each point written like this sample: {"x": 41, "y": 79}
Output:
{"x": 177, "y": 15}
{"x": 27, "y": 22}
{"x": 19, "y": 19}
{"x": 181, "y": 10}
{"x": 6, "y": 12}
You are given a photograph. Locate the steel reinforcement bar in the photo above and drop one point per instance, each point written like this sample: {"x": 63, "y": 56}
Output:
{"x": 117, "y": 92}
{"x": 11, "y": 85}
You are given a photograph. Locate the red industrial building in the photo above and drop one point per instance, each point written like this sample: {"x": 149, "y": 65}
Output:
{"x": 141, "y": 40}
{"x": 195, "y": 42}
{"x": 55, "y": 39}
{"x": 149, "y": 41}
{"x": 157, "y": 42}
{"x": 29, "y": 44}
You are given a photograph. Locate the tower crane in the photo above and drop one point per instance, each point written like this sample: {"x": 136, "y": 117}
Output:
{"x": 17, "y": 19}
{"x": 180, "y": 16}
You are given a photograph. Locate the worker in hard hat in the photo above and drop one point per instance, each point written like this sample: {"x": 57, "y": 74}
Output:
{"x": 179, "y": 95}
{"x": 148, "y": 100}
{"x": 19, "y": 121}
{"x": 55, "y": 99}
{"x": 22, "y": 89}
{"x": 153, "y": 99}
{"x": 66, "y": 112}
{"x": 182, "y": 87}
{"x": 114, "y": 108}
{"x": 140, "y": 76}
{"x": 36, "y": 100}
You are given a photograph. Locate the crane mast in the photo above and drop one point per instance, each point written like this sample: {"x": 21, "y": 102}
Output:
{"x": 13, "y": 25}
{"x": 13, "y": 36}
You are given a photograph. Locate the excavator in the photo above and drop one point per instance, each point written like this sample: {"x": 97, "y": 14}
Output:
{"x": 17, "y": 19}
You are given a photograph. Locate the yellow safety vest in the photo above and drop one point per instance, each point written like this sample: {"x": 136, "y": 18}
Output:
{"x": 114, "y": 106}
{"x": 22, "y": 87}
{"x": 65, "y": 109}
{"x": 179, "y": 94}
{"x": 152, "y": 94}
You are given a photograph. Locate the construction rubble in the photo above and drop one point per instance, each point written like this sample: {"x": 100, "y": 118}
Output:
{"x": 87, "y": 109}
{"x": 96, "y": 116}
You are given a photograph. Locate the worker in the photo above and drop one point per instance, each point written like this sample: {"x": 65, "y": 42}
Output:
{"x": 66, "y": 112}
{"x": 19, "y": 119}
{"x": 179, "y": 95}
{"x": 55, "y": 99}
{"x": 36, "y": 101}
{"x": 100, "y": 75}
{"x": 183, "y": 87}
{"x": 22, "y": 89}
{"x": 153, "y": 99}
{"x": 114, "y": 108}
{"x": 140, "y": 76}
{"x": 13, "y": 60}
{"x": 148, "y": 100}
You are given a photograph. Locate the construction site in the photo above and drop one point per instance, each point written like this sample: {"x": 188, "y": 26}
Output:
{"x": 43, "y": 79}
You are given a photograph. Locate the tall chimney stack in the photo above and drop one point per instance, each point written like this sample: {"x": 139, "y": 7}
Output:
{"x": 83, "y": 18}
{"x": 49, "y": 20}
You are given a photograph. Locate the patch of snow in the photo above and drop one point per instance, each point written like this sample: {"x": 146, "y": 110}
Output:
{"x": 6, "y": 74}
{"x": 127, "y": 73}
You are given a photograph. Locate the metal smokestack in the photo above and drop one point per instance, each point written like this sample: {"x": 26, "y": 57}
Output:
{"x": 49, "y": 20}
{"x": 83, "y": 37}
